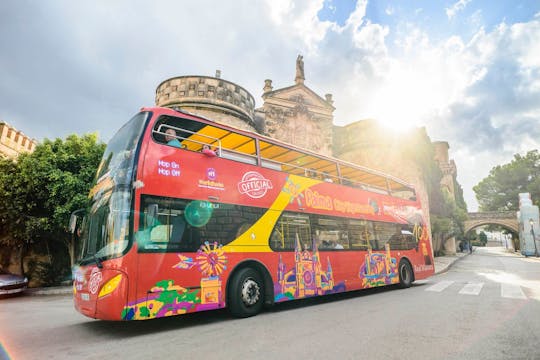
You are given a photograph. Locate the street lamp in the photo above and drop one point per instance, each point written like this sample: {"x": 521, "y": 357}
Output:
{"x": 531, "y": 221}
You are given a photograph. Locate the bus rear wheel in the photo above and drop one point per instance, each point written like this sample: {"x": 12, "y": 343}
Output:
{"x": 405, "y": 274}
{"x": 246, "y": 293}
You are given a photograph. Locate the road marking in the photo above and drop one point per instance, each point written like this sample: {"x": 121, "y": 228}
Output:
{"x": 512, "y": 291}
{"x": 472, "y": 289}
{"x": 440, "y": 286}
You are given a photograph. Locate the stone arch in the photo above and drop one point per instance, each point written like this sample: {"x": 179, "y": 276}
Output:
{"x": 508, "y": 220}
{"x": 473, "y": 225}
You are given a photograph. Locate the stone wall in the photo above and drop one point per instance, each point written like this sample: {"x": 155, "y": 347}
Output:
{"x": 211, "y": 97}
{"x": 13, "y": 142}
{"x": 447, "y": 166}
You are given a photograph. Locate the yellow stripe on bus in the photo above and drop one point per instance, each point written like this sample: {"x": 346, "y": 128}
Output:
{"x": 255, "y": 239}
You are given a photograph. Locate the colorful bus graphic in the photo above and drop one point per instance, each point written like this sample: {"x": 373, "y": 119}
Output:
{"x": 226, "y": 218}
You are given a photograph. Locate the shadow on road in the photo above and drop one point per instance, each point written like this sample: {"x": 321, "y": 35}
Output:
{"x": 126, "y": 329}
{"x": 320, "y": 300}
{"x": 123, "y": 329}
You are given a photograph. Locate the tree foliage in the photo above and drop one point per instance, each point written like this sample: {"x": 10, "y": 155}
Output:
{"x": 483, "y": 238}
{"x": 447, "y": 213}
{"x": 39, "y": 191}
{"x": 499, "y": 191}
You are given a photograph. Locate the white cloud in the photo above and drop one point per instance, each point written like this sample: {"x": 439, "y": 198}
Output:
{"x": 88, "y": 67}
{"x": 457, "y": 7}
{"x": 298, "y": 19}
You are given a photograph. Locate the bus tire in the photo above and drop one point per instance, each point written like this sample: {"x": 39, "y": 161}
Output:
{"x": 246, "y": 293}
{"x": 405, "y": 274}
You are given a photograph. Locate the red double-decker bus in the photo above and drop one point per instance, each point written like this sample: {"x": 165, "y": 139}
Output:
{"x": 189, "y": 215}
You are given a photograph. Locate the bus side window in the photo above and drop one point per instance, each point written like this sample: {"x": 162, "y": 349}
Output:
{"x": 178, "y": 226}
{"x": 290, "y": 230}
{"x": 387, "y": 233}
{"x": 277, "y": 241}
{"x": 191, "y": 241}
{"x": 242, "y": 228}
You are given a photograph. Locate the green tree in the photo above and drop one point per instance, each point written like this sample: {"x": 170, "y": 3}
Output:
{"x": 39, "y": 191}
{"x": 499, "y": 191}
{"x": 482, "y": 237}
{"x": 447, "y": 213}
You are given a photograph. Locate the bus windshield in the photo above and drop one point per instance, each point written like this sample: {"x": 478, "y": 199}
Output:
{"x": 105, "y": 229}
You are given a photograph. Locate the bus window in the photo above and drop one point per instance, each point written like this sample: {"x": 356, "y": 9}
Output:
{"x": 184, "y": 225}
{"x": 386, "y": 233}
{"x": 331, "y": 233}
{"x": 290, "y": 230}
{"x": 403, "y": 238}
{"x": 361, "y": 234}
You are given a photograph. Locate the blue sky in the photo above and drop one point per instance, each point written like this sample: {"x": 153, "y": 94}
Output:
{"x": 467, "y": 70}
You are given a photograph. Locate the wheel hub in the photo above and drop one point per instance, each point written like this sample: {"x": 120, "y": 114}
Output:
{"x": 250, "y": 292}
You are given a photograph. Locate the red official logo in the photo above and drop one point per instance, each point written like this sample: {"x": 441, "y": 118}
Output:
{"x": 254, "y": 185}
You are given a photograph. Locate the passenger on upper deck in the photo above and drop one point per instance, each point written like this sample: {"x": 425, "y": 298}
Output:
{"x": 206, "y": 150}
{"x": 170, "y": 138}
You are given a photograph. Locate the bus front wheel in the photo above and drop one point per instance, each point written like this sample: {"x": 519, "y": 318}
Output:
{"x": 246, "y": 293}
{"x": 405, "y": 274}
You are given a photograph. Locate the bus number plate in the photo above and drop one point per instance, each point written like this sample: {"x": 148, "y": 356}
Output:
{"x": 85, "y": 297}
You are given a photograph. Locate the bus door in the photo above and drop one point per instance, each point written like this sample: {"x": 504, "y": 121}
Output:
{"x": 167, "y": 245}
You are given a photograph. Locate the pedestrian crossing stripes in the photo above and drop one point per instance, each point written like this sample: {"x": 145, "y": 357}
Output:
{"x": 512, "y": 291}
{"x": 440, "y": 286}
{"x": 509, "y": 291}
{"x": 472, "y": 289}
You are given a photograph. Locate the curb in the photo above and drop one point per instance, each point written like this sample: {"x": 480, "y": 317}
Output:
{"x": 60, "y": 290}
{"x": 449, "y": 265}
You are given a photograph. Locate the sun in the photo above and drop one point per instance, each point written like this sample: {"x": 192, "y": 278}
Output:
{"x": 406, "y": 99}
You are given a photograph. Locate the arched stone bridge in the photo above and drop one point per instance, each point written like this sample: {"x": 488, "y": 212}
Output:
{"x": 507, "y": 219}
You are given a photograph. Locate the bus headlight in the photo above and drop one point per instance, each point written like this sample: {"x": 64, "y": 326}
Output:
{"x": 110, "y": 285}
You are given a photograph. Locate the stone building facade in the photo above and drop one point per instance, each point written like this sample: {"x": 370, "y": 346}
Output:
{"x": 368, "y": 144}
{"x": 447, "y": 166}
{"x": 297, "y": 115}
{"x": 211, "y": 97}
{"x": 448, "y": 181}
{"x": 14, "y": 142}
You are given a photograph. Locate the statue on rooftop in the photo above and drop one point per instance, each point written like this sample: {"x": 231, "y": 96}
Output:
{"x": 299, "y": 70}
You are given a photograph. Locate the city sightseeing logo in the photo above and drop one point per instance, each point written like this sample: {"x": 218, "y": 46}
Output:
{"x": 254, "y": 185}
{"x": 95, "y": 280}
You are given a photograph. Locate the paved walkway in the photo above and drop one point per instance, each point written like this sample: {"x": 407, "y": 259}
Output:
{"x": 442, "y": 263}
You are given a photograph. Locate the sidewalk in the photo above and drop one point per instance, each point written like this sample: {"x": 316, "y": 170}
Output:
{"x": 442, "y": 263}
{"x": 53, "y": 290}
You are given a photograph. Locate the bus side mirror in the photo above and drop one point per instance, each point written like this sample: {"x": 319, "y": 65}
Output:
{"x": 151, "y": 215}
{"x": 72, "y": 223}
{"x": 73, "y": 220}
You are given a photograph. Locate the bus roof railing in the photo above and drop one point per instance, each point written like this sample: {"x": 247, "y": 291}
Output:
{"x": 273, "y": 154}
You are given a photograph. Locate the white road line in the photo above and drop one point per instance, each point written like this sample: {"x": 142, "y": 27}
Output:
{"x": 512, "y": 291}
{"x": 472, "y": 289}
{"x": 440, "y": 286}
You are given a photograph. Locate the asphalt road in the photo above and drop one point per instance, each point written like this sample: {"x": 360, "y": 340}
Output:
{"x": 487, "y": 306}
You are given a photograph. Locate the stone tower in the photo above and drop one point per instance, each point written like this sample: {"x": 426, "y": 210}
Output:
{"x": 368, "y": 144}
{"x": 297, "y": 115}
{"x": 448, "y": 167}
{"x": 210, "y": 97}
